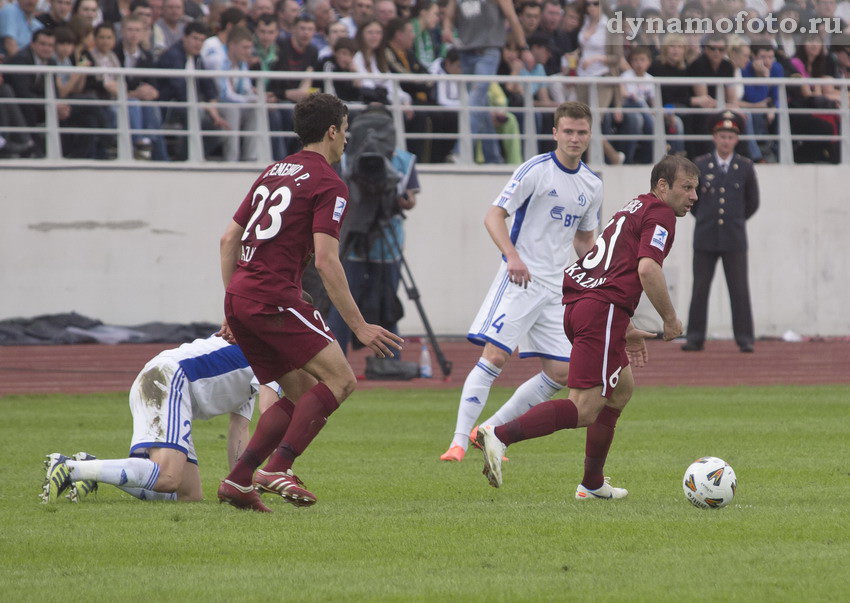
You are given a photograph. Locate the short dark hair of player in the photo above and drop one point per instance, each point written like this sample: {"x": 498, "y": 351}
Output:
{"x": 231, "y": 16}
{"x": 394, "y": 26}
{"x": 64, "y": 34}
{"x": 240, "y": 33}
{"x": 267, "y": 19}
{"x": 640, "y": 50}
{"x": 573, "y": 110}
{"x": 315, "y": 114}
{"x": 194, "y": 27}
{"x": 670, "y": 167}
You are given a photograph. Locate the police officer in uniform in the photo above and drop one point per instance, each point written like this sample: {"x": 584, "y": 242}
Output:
{"x": 728, "y": 197}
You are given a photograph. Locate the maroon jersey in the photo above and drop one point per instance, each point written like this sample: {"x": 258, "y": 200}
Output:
{"x": 292, "y": 200}
{"x": 608, "y": 272}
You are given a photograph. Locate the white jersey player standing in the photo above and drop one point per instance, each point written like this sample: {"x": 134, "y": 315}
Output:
{"x": 198, "y": 380}
{"x": 555, "y": 201}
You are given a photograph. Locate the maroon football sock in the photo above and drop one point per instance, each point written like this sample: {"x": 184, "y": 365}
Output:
{"x": 311, "y": 414}
{"x": 270, "y": 428}
{"x": 600, "y": 434}
{"x": 543, "y": 419}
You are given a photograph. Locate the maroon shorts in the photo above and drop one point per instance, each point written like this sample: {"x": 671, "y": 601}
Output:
{"x": 598, "y": 332}
{"x": 276, "y": 339}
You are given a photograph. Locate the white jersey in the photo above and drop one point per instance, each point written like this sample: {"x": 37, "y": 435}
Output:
{"x": 217, "y": 374}
{"x": 549, "y": 203}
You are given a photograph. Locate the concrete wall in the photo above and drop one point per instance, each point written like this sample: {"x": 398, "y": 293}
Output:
{"x": 134, "y": 245}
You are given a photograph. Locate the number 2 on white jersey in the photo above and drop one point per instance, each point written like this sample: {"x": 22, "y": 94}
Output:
{"x": 283, "y": 196}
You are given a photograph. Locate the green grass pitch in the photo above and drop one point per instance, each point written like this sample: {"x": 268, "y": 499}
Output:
{"x": 393, "y": 523}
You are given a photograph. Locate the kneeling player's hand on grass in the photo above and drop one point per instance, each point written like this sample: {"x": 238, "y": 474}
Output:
{"x": 636, "y": 346}
{"x": 378, "y": 339}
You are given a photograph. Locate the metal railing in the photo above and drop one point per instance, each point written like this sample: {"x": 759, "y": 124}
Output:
{"x": 527, "y": 114}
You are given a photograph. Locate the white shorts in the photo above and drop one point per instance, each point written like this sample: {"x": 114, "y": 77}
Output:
{"x": 161, "y": 406}
{"x": 530, "y": 319}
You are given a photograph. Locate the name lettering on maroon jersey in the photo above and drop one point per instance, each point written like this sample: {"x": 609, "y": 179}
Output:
{"x": 284, "y": 169}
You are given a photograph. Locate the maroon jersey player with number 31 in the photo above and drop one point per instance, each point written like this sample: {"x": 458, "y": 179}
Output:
{"x": 601, "y": 292}
{"x": 294, "y": 209}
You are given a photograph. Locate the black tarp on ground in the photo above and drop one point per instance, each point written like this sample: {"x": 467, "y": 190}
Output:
{"x": 72, "y": 328}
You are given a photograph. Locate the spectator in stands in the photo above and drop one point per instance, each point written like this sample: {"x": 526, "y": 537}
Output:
{"x": 235, "y": 92}
{"x": 811, "y": 62}
{"x": 258, "y": 9}
{"x": 187, "y": 55}
{"x": 17, "y": 25}
{"x": 296, "y": 54}
{"x": 841, "y": 56}
{"x": 342, "y": 61}
{"x": 168, "y": 30}
{"x": 266, "y": 50}
{"x": 132, "y": 56}
{"x": 638, "y": 92}
{"x": 426, "y": 45}
{"x": 712, "y": 63}
{"x": 825, "y": 9}
{"x": 31, "y": 85}
{"x": 342, "y": 8}
{"x": 570, "y": 27}
{"x": 528, "y": 12}
{"x": 482, "y": 35}
{"x": 671, "y": 63}
{"x": 369, "y": 60}
{"x": 404, "y": 8}
{"x": 103, "y": 55}
{"x": 114, "y": 11}
{"x": 59, "y": 13}
{"x": 762, "y": 64}
{"x": 400, "y": 58}
{"x": 786, "y": 43}
{"x": 13, "y": 144}
{"x": 447, "y": 94}
{"x": 214, "y": 49}
{"x": 156, "y": 11}
{"x": 142, "y": 10}
{"x": 286, "y": 12}
{"x": 323, "y": 16}
{"x": 362, "y": 12}
{"x": 89, "y": 10}
{"x": 385, "y": 11}
{"x": 550, "y": 22}
{"x": 336, "y": 30}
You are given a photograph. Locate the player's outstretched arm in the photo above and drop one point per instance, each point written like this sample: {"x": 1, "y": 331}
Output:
{"x": 655, "y": 286}
{"x": 375, "y": 337}
{"x": 229, "y": 250}
{"x": 495, "y": 224}
{"x": 237, "y": 438}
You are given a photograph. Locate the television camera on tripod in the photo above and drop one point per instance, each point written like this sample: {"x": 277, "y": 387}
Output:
{"x": 380, "y": 179}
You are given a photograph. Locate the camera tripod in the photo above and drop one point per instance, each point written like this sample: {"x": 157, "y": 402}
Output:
{"x": 406, "y": 278}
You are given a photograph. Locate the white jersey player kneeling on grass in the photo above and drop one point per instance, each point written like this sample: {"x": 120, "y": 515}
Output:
{"x": 555, "y": 201}
{"x": 198, "y": 380}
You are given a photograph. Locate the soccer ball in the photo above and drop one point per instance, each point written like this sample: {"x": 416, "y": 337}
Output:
{"x": 710, "y": 483}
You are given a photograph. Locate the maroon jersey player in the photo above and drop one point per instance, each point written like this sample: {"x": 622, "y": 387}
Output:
{"x": 293, "y": 210}
{"x": 601, "y": 292}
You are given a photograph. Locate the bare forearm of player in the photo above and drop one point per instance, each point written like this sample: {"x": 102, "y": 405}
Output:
{"x": 333, "y": 278}
{"x": 229, "y": 248}
{"x": 237, "y": 438}
{"x": 495, "y": 224}
{"x": 655, "y": 286}
{"x": 584, "y": 241}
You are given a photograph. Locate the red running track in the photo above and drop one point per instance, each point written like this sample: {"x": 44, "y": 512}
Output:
{"x": 81, "y": 369}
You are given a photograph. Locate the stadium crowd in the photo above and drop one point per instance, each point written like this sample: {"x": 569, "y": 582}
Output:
{"x": 372, "y": 37}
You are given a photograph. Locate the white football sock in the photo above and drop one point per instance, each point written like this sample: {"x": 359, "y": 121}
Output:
{"x": 528, "y": 395}
{"x": 143, "y": 494}
{"x": 132, "y": 472}
{"x": 476, "y": 389}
